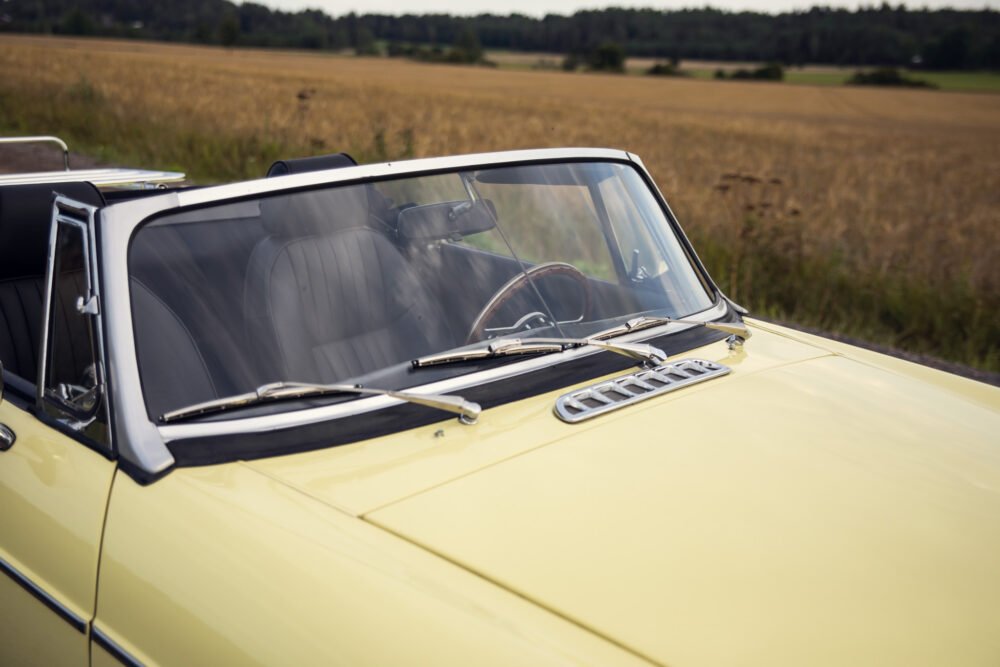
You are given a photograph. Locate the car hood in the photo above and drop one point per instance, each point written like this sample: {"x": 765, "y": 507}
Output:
{"x": 810, "y": 508}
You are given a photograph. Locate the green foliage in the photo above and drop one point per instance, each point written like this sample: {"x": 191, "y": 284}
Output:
{"x": 466, "y": 51}
{"x": 671, "y": 68}
{"x": 77, "y": 22}
{"x": 467, "y": 46}
{"x": 364, "y": 42}
{"x": 229, "y": 30}
{"x": 607, "y": 57}
{"x": 887, "y": 76}
{"x": 571, "y": 63}
{"x": 768, "y": 267}
{"x": 950, "y": 51}
{"x": 768, "y": 72}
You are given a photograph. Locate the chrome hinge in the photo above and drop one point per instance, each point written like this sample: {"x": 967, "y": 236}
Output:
{"x": 90, "y": 306}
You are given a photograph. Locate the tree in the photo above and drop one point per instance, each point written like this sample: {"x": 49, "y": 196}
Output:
{"x": 949, "y": 52}
{"x": 608, "y": 57}
{"x": 76, "y": 22}
{"x": 364, "y": 42}
{"x": 229, "y": 30}
{"x": 468, "y": 47}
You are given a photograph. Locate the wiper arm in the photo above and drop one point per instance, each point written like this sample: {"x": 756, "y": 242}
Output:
{"x": 468, "y": 412}
{"x": 739, "y": 331}
{"x": 516, "y": 346}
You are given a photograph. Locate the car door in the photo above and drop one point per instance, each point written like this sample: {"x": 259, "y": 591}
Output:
{"x": 56, "y": 466}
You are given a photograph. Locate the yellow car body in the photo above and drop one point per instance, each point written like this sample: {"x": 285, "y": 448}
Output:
{"x": 820, "y": 504}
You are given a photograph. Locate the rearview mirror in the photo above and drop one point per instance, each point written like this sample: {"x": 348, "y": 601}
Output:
{"x": 448, "y": 220}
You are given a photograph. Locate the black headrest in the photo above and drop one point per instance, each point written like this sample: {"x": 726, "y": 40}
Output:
{"x": 304, "y": 164}
{"x": 446, "y": 220}
{"x": 25, "y": 219}
{"x": 315, "y": 212}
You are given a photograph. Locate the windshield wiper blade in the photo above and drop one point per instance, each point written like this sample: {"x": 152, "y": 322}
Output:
{"x": 500, "y": 348}
{"x": 468, "y": 412}
{"x": 516, "y": 346}
{"x": 738, "y": 332}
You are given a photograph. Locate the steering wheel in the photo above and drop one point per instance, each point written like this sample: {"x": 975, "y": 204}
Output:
{"x": 518, "y": 284}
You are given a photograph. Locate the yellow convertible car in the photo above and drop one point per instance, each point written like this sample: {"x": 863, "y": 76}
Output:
{"x": 476, "y": 410}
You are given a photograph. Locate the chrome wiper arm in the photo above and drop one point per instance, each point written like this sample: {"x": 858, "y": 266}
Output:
{"x": 737, "y": 329}
{"x": 517, "y": 346}
{"x": 468, "y": 411}
{"x": 501, "y": 348}
{"x": 638, "y": 351}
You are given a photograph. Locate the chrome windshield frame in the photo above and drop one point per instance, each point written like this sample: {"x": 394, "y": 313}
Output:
{"x": 143, "y": 443}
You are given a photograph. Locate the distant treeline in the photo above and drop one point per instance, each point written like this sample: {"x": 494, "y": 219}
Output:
{"x": 885, "y": 35}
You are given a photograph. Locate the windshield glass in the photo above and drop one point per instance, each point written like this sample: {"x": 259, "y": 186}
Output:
{"x": 344, "y": 283}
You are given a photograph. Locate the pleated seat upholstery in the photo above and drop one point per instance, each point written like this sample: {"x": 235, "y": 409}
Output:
{"x": 329, "y": 297}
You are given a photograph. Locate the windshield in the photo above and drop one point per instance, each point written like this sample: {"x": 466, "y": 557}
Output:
{"x": 347, "y": 283}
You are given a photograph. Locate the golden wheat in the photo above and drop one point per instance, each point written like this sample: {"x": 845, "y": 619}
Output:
{"x": 894, "y": 183}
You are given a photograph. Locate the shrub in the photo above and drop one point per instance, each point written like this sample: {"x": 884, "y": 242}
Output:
{"x": 571, "y": 63}
{"x": 887, "y": 76}
{"x": 768, "y": 72}
{"x": 608, "y": 57}
{"x": 665, "y": 69}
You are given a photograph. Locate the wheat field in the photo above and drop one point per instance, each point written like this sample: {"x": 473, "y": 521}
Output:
{"x": 871, "y": 212}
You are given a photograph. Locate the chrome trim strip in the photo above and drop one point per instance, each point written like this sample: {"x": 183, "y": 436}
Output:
{"x": 137, "y": 210}
{"x": 55, "y": 605}
{"x": 112, "y": 647}
{"x": 63, "y": 212}
{"x": 450, "y": 386}
{"x": 572, "y": 407}
{"x": 135, "y": 436}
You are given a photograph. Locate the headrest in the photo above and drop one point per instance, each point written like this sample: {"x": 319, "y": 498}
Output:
{"x": 304, "y": 164}
{"x": 447, "y": 220}
{"x": 316, "y": 212}
{"x": 25, "y": 219}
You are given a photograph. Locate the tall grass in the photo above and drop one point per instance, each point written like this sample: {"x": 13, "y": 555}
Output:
{"x": 869, "y": 212}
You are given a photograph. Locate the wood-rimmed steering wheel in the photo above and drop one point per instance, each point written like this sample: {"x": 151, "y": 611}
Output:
{"x": 519, "y": 283}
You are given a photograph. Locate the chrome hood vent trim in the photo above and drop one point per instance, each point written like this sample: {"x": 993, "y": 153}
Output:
{"x": 581, "y": 404}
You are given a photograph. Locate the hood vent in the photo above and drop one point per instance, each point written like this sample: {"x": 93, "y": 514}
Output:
{"x": 602, "y": 397}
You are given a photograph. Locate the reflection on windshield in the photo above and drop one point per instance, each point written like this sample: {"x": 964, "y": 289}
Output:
{"x": 336, "y": 284}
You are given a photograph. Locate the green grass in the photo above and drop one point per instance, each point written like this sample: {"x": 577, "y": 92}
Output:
{"x": 948, "y": 320}
{"x": 982, "y": 82}
{"x": 987, "y": 82}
